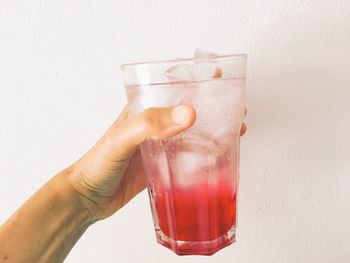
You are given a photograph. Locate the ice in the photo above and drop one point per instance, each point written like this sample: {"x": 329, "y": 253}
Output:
{"x": 203, "y": 67}
{"x": 161, "y": 79}
{"x": 203, "y": 53}
{"x": 205, "y": 70}
{"x": 157, "y": 96}
{"x": 180, "y": 72}
{"x": 218, "y": 102}
{"x": 192, "y": 161}
{"x": 191, "y": 167}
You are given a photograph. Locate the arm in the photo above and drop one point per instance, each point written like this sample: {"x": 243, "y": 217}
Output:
{"x": 48, "y": 225}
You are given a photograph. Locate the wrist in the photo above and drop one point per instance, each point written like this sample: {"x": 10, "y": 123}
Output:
{"x": 83, "y": 193}
{"x": 74, "y": 201}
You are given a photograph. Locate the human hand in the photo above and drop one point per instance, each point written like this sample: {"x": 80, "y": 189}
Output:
{"x": 111, "y": 173}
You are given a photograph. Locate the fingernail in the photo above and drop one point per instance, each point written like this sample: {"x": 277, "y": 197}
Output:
{"x": 179, "y": 114}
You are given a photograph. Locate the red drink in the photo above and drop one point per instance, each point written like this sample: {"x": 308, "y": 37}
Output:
{"x": 200, "y": 213}
{"x": 194, "y": 211}
{"x": 193, "y": 176}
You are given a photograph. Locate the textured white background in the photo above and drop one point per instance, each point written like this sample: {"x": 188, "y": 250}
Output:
{"x": 60, "y": 88}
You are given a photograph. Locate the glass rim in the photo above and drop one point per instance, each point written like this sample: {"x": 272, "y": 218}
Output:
{"x": 126, "y": 65}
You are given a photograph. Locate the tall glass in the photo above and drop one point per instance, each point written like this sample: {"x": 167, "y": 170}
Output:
{"x": 193, "y": 177}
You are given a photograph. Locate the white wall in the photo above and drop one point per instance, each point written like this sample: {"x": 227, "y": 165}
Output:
{"x": 60, "y": 88}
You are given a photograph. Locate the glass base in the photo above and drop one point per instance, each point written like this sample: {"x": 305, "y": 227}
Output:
{"x": 205, "y": 248}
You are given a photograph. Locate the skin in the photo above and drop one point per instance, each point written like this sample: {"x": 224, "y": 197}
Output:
{"x": 109, "y": 175}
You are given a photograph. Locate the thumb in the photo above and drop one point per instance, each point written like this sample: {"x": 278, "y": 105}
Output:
{"x": 153, "y": 123}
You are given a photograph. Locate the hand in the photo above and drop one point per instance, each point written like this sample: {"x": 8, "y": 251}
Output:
{"x": 111, "y": 173}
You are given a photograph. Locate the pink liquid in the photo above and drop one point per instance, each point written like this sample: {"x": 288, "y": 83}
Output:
{"x": 192, "y": 194}
{"x": 200, "y": 213}
{"x": 198, "y": 219}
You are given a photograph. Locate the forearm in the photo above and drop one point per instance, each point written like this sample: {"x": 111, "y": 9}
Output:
{"x": 47, "y": 226}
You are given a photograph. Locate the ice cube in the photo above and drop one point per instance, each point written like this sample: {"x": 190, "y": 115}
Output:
{"x": 180, "y": 72}
{"x": 192, "y": 167}
{"x": 161, "y": 79}
{"x": 160, "y": 95}
{"x": 205, "y": 70}
{"x": 203, "y": 53}
{"x": 218, "y": 102}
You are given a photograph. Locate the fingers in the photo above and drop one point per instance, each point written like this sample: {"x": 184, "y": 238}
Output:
{"x": 162, "y": 123}
{"x": 153, "y": 123}
{"x": 243, "y": 128}
{"x": 125, "y": 135}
